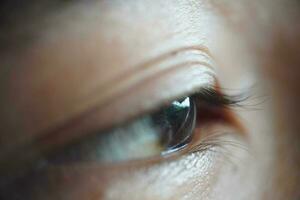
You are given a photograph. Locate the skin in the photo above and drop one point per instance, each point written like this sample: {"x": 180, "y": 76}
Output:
{"x": 98, "y": 64}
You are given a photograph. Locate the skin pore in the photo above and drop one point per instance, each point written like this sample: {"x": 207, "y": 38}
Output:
{"x": 94, "y": 65}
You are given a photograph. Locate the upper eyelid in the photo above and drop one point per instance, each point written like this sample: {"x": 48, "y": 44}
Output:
{"x": 95, "y": 118}
{"x": 198, "y": 56}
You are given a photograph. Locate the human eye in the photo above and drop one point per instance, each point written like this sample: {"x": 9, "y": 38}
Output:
{"x": 156, "y": 134}
{"x": 168, "y": 131}
{"x": 163, "y": 133}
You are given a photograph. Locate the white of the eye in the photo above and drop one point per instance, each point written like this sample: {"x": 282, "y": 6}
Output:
{"x": 139, "y": 140}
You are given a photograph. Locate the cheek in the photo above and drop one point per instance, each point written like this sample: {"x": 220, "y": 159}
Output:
{"x": 190, "y": 176}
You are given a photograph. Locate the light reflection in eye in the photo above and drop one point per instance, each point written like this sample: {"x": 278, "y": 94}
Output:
{"x": 160, "y": 133}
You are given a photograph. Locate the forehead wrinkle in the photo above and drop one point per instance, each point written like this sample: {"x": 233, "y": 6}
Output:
{"x": 202, "y": 52}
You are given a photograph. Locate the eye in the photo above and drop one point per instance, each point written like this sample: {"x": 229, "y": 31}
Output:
{"x": 158, "y": 134}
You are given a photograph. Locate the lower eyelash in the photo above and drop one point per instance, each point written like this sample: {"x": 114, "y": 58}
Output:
{"x": 217, "y": 143}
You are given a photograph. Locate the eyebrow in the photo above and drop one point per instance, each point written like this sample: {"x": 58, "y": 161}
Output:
{"x": 65, "y": 132}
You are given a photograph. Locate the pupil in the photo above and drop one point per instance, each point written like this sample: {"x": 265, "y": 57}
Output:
{"x": 175, "y": 124}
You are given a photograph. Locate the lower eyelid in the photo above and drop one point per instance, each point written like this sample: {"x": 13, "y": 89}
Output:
{"x": 197, "y": 166}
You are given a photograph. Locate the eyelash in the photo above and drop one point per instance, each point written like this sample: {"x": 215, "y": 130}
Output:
{"x": 214, "y": 97}
{"x": 211, "y": 100}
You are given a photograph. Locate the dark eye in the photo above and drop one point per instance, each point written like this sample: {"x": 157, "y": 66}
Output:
{"x": 163, "y": 132}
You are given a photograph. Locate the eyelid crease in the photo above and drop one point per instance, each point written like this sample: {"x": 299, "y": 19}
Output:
{"x": 199, "y": 49}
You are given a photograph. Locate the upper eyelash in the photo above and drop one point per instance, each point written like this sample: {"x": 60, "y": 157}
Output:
{"x": 215, "y": 97}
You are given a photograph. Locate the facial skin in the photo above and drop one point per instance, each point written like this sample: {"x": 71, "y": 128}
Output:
{"x": 94, "y": 65}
